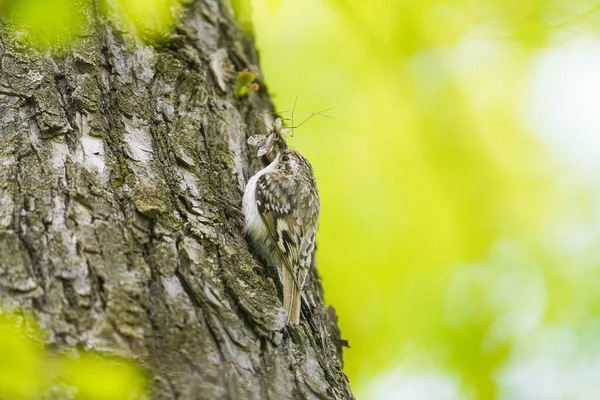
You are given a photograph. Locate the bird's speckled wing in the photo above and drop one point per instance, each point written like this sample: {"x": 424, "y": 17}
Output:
{"x": 289, "y": 208}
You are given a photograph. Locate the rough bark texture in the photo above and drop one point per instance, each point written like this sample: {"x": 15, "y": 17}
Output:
{"x": 121, "y": 169}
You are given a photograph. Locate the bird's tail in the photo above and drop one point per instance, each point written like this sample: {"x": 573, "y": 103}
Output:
{"x": 291, "y": 297}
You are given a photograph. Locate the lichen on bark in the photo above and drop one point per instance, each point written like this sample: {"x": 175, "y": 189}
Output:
{"x": 122, "y": 166}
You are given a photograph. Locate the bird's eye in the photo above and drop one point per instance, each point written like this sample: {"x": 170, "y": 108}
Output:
{"x": 285, "y": 158}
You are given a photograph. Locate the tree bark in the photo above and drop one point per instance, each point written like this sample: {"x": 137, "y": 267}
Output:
{"x": 122, "y": 167}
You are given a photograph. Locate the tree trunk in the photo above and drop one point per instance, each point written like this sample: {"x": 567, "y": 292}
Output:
{"x": 122, "y": 167}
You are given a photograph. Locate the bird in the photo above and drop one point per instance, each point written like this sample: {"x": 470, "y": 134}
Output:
{"x": 281, "y": 207}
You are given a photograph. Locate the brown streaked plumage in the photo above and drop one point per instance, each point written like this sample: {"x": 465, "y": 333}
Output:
{"x": 281, "y": 206}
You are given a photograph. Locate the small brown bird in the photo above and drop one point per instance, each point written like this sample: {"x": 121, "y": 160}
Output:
{"x": 281, "y": 207}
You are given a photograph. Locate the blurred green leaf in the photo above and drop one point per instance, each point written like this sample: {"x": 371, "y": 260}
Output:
{"x": 152, "y": 19}
{"x": 28, "y": 372}
{"x": 98, "y": 377}
{"x": 57, "y": 23}
{"x": 22, "y": 360}
{"x": 46, "y": 23}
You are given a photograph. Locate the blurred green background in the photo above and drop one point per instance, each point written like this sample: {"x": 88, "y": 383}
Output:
{"x": 459, "y": 235}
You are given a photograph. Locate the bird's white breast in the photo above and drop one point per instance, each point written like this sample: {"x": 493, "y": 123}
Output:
{"x": 254, "y": 224}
